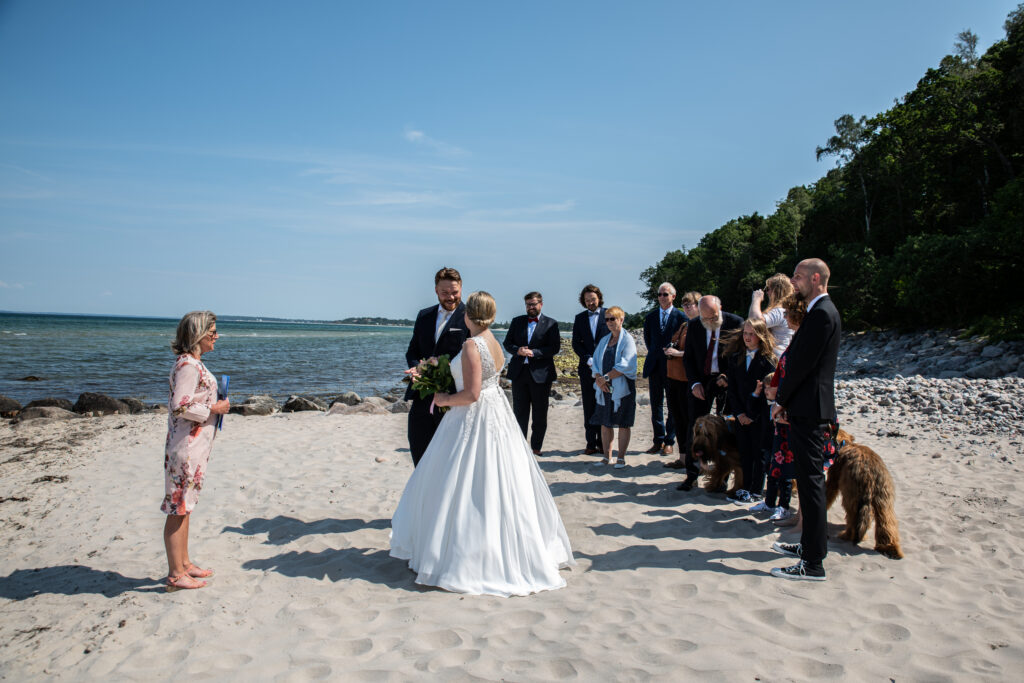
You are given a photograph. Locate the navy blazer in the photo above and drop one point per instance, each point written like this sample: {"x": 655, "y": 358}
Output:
{"x": 656, "y": 341}
{"x": 807, "y": 388}
{"x": 422, "y": 344}
{"x": 583, "y": 340}
{"x": 545, "y": 344}
{"x": 697, "y": 348}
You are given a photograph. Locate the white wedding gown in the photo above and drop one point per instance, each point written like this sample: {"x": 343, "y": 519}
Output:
{"x": 477, "y": 515}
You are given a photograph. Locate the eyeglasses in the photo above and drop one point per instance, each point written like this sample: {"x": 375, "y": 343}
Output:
{"x": 608, "y": 320}
{"x": 664, "y": 294}
{"x": 689, "y": 304}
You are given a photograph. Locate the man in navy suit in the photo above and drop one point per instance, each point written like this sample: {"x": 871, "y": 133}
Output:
{"x": 439, "y": 330}
{"x": 587, "y": 329}
{"x": 806, "y": 397}
{"x": 659, "y": 326}
{"x": 702, "y": 358}
{"x": 533, "y": 340}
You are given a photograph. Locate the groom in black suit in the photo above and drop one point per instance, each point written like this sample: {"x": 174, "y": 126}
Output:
{"x": 588, "y": 327}
{"x": 806, "y": 397}
{"x": 533, "y": 340}
{"x": 439, "y": 330}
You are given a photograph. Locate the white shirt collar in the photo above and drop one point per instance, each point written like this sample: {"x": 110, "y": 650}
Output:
{"x": 814, "y": 301}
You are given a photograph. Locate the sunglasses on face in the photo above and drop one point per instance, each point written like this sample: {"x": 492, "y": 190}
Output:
{"x": 608, "y": 320}
{"x": 664, "y": 294}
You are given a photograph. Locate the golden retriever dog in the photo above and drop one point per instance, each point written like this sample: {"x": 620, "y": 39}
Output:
{"x": 714, "y": 447}
{"x": 859, "y": 474}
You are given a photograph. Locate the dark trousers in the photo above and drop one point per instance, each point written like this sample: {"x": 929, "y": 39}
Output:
{"x": 422, "y": 425}
{"x": 664, "y": 430}
{"x": 676, "y": 392}
{"x": 528, "y": 395}
{"x": 807, "y": 441}
{"x": 696, "y": 407}
{"x": 593, "y": 432}
{"x": 778, "y": 491}
{"x": 748, "y": 440}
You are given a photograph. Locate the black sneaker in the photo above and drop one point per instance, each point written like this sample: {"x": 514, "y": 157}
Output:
{"x": 801, "y": 571}
{"x": 791, "y": 549}
{"x": 687, "y": 484}
{"x": 741, "y": 497}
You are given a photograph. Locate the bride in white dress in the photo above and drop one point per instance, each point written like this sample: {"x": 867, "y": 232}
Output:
{"x": 477, "y": 515}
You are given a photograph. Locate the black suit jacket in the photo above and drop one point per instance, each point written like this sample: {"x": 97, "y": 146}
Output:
{"x": 807, "y": 389}
{"x": 583, "y": 340}
{"x": 545, "y": 344}
{"x": 696, "y": 348}
{"x": 422, "y": 344}
{"x": 743, "y": 381}
{"x": 656, "y": 341}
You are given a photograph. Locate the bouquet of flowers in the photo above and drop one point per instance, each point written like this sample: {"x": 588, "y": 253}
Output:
{"x": 433, "y": 375}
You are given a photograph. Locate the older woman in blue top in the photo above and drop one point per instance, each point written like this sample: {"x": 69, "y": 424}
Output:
{"x": 615, "y": 381}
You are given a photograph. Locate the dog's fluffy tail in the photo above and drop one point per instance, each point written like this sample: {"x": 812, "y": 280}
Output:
{"x": 887, "y": 531}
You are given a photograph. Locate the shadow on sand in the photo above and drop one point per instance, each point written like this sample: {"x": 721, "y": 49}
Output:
{"x": 73, "y": 579}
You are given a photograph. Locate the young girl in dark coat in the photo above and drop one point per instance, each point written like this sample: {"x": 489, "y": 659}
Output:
{"x": 751, "y": 354}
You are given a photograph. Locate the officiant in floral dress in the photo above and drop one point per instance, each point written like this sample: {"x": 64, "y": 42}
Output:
{"x": 192, "y": 411}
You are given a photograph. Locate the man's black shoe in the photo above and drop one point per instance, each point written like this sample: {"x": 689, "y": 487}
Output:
{"x": 687, "y": 484}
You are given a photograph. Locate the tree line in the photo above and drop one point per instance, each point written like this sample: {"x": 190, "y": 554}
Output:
{"x": 922, "y": 219}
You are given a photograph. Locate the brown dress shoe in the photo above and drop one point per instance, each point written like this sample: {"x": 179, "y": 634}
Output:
{"x": 536, "y": 452}
{"x": 590, "y": 451}
{"x": 666, "y": 449}
{"x": 656, "y": 448}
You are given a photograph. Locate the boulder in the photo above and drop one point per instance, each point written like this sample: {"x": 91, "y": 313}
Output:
{"x": 296, "y": 404}
{"x": 988, "y": 369}
{"x": 365, "y": 408}
{"x": 8, "y": 406}
{"x": 349, "y": 398}
{"x": 51, "y": 402}
{"x": 401, "y": 407}
{"x": 134, "y": 405}
{"x": 45, "y": 412}
{"x": 378, "y": 401}
{"x": 99, "y": 404}
{"x": 256, "y": 405}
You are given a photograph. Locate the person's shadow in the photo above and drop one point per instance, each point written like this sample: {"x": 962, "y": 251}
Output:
{"x": 73, "y": 579}
{"x": 365, "y": 564}
{"x": 281, "y": 530}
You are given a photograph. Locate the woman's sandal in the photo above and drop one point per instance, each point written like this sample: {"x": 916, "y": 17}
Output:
{"x": 197, "y": 572}
{"x": 183, "y": 582}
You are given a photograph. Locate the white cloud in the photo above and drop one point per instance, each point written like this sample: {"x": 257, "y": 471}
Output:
{"x": 397, "y": 199}
{"x": 13, "y": 285}
{"x": 560, "y": 207}
{"x": 418, "y": 137}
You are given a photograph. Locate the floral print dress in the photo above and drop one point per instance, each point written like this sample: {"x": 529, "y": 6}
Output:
{"x": 190, "y": 433}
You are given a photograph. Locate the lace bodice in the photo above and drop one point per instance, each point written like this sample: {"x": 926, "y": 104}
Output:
{"x": 489, "y": 374}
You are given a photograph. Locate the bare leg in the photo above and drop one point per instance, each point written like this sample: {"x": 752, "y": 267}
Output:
{"x": 607, "y": 436}
{"x": 624, "y": 434}
{"x": 185, "y": 558}
{"x": 176, "y": 543}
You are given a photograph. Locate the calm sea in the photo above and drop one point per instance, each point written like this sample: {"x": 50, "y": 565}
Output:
{"x": 132, "y": 357}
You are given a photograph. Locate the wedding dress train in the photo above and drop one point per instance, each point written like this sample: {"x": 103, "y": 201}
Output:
{"x": 477, "y": 515}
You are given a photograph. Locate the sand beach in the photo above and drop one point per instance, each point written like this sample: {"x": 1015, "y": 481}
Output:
{"x": 669, "y": 585}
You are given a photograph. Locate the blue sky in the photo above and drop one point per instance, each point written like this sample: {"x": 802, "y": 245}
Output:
{"x": 324, "y": 159}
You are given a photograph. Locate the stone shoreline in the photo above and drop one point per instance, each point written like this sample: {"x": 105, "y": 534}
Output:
{"x": 933, "y": 379}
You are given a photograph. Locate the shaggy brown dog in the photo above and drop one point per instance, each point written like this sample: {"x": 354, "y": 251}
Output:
{"x": 860, "y": 475}
{"x": 714, "y": 447}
